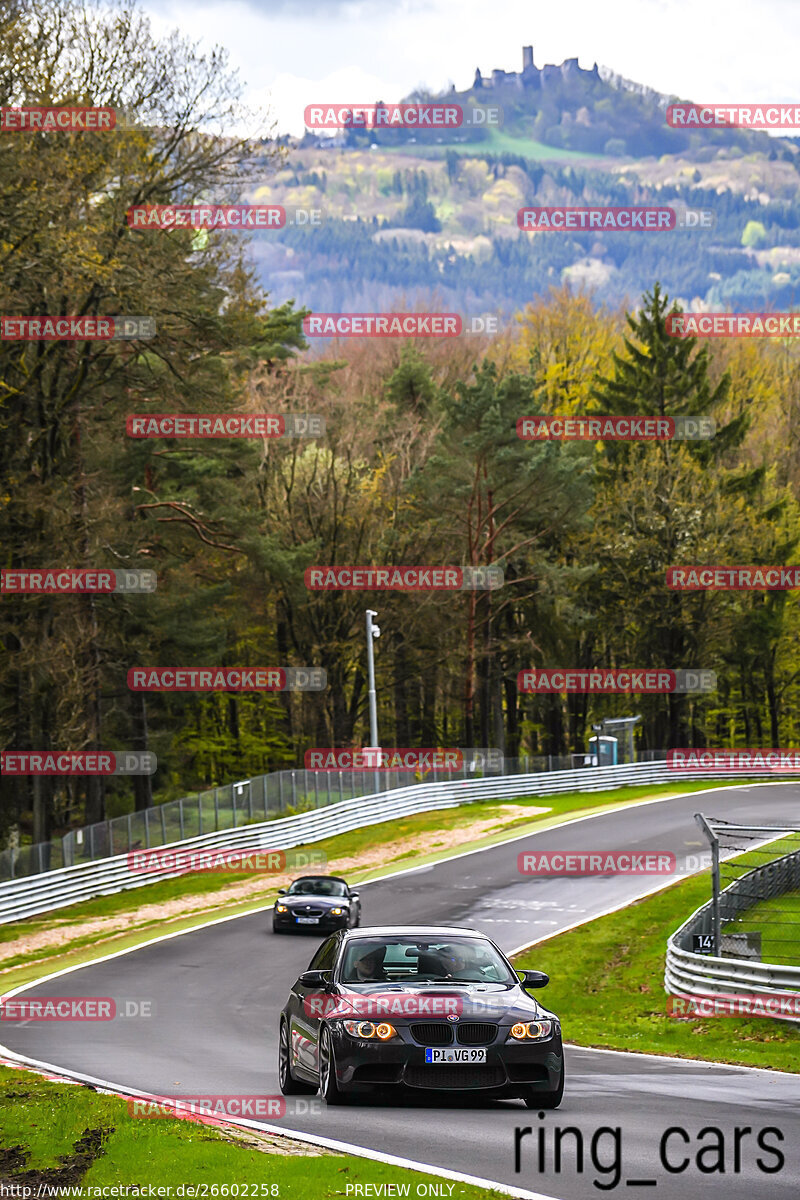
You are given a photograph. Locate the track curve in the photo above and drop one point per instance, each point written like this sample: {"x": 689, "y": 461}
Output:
{"x": 216, "y": 993}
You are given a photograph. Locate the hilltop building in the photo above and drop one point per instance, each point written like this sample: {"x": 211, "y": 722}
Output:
{"x": 532, "y": 77}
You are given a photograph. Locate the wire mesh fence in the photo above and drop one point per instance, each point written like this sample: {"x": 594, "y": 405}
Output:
{"x": 262, "y": 798}
{"x": 755, "y": 891}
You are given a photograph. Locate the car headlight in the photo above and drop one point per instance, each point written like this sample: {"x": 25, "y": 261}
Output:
{"x": 531, "y": 1031}
{"x": 336, "y": 912}
{"x": 281, "y": 908}
{"x": 383, "y": 1032}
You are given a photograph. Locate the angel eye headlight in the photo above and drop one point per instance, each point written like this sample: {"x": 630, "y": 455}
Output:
{"x": 382, "y": 1032}
{"x": 281, "y": 908}
{"x": 531, "y": 1031}
{"x": 337, "y": 912}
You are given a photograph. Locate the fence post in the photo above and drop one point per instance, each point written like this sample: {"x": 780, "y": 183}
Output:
{"x": 110, "y": 839}
{"x": 328, "y": 783}
{"x": 180, "y": 818}
{"x": 199, "y": 813}
{"x": 130, "y": 831}
{"x": 216, "y": 809}
{"x": 91, "y": 842}
{"x": 715, "y": 889}
{"x": 146, "y": 812}
{"x": 294, "y": 789}
{"x": 264, "y": 794}
{"x": 316, "y": 788}
{"x": 233, "y": 803}
{"x": 340, "y": 785}
{"x": 280, "y": 791}
{"x": 250, "y": 799}
{"x": 163, "y": 825}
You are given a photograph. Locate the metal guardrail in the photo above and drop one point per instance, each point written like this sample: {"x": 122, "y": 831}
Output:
{"x": 690, "y": 974}
{"x": 26, "y": 897}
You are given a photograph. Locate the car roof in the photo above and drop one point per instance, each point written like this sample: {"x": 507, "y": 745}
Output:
{"x": 377, "y": 931}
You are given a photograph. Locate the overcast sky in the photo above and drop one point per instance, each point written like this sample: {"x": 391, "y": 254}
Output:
{"x": 297, "y": 52}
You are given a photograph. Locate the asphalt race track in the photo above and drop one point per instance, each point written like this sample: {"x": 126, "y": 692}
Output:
{"x": 216, "y": 994}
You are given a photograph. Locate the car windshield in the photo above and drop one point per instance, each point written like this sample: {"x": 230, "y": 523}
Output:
{"x": 424, "y": 960}
{"x": 317, "y": 887}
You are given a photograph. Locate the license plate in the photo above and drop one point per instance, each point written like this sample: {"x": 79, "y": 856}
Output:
{"x": 308, "y": 920}
{"x": 436, "y": 1055}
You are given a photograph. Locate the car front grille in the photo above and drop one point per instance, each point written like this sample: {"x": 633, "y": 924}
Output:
{"x": 476, "y": 1033}
{"x": 307, "y": 910}
{"x": 455, "y": 1075}
{"x": 432, "y": 1033}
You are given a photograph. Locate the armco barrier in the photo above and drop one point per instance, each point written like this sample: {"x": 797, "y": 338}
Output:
{"x": 691, "y": 974}
{"x": 54, "y": 889}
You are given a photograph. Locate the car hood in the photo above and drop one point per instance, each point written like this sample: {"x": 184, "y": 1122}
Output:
{"x": 404, "y": 1003}
{"x": 324, "y": 902}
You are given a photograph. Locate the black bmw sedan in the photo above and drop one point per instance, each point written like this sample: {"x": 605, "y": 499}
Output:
{"x": 418, "y": 1007}
{"x": 319, "y": 903}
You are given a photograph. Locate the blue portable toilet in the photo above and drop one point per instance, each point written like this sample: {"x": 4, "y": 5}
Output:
{"x": 603, "y": 751}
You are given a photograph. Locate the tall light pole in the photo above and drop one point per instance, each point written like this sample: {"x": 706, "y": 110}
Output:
{"x": 373, "y": 631}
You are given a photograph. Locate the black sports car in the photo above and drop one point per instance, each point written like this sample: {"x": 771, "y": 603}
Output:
{"x": 319, "y": 903}
{"x": 418, "y": 1007}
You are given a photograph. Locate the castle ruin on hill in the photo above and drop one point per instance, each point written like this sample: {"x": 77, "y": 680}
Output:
{"x": 532, "y": 77}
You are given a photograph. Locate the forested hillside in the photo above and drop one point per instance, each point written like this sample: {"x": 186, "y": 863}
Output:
{"x": 420, "y": 462}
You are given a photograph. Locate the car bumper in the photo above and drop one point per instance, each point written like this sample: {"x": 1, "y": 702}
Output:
{"x": 510, "y": 1069}
{"x": 324, "y": 925}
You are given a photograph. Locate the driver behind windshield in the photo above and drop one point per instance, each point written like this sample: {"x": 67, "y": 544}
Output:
{"x": 369, "y": 967}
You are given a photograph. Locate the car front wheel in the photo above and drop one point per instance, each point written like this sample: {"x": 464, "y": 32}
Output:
{"x": 328, "y": 1084}
{"x": 288, "y": 1084}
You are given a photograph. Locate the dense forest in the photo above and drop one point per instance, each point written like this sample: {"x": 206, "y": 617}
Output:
{"x": 420, "y": 463}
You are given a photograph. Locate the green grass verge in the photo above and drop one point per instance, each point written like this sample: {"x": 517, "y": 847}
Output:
{"x": 607, "y": 986}
{"x": 71, "y": 950}
{"x": 778, "y": 922}
{"x": 65, "y": 1135}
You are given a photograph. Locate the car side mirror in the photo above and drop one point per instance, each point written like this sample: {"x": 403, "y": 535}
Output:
{"x": 534, "y": 979}
{"x": 316, "y": 979}
{"x": 282, "y": 891}
{"x": 354, "y": 895}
